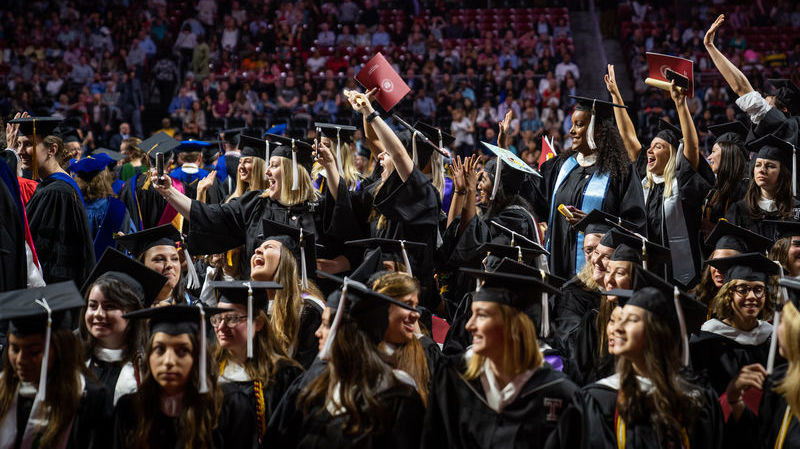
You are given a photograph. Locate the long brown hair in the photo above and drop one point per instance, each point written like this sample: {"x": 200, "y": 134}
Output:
{"x": 288, "y": 305}
{"x": 410, "y": 356}
{"x": 706, "y": 290}
{"x": 674, "y": 403}
{"x": 200, "y": 412}
{"x": 732, "y": 170}
{"x": 783, "y": 196}
{"x": 98, "y": 187}
{"x": 63, "y": 384}
{"x": 267, "y": 354}
{"x": 722, "y": 303}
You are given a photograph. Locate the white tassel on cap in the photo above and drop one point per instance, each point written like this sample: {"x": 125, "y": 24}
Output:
{"x": 644, "y": 250}
{"x": 590, "y": 131}
{"x": 249, "y": 320}
{"x": 303, "y": 275}
{"x": 682, "y": 325}
{"x": 405, "y": 257}
{"x": 203, "y": 387}
{"x": 545, "y": 308}
{"x": 338, "y": 149}
{"x": 192, "y": 280}
{"x": 325, "y": 354}
{"x": 266, "y": 166}
{"x": 498, "y": 169}
{"x": 794, "y": 171}
{"x": 41, "y": 393}
{"x": 295, "y": 175}
{"x": 776, "y": 321}
{"x": 414, "y": 146}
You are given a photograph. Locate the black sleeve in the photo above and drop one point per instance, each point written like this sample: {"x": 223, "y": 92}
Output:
{"x": 216, "y": 228}
{"x": 407, "y": 421}
{"x": 414, "y": 201}
{"x": 631, "y": 207}
{"x": 237, "y": 427}
{"x": 347, "y": 217}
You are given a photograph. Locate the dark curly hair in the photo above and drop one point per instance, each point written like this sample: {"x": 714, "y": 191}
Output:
{"x": 611, "y": 156}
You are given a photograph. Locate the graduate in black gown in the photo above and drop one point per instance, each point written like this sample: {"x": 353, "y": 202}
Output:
{"x": 594, "y": 174}
{"x": 179, "y": 402}
{"x": 57, "y": 405}
{"x": 260, "y": 378}
{"x": 739, "y": 335}
{"x": 777, "y": 423}
{"x": 500, "y": 393}
{"x": 357, "y": 399}
{"x": 113, "y": 347}
{"x": 770, "y": 193}
{"x": 189, "y": 173}
{"x": 56, "y": 212}
{"x": 404, "y": 205}
{"x": 12, "y": 221}
{"x": 622, "y": 410}
{"x": 729, "y": 160}
{"x": 145, "y": 204}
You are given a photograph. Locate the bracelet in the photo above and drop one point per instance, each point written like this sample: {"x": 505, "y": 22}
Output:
{"x": 372, "y": 116}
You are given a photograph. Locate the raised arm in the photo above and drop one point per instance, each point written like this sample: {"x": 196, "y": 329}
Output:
{"x": 691, "y": 146}
{"x": 181, "y": 202}
{"x": 624, "y": 122}
{"x": 733, "y": 76}
{"x": 331, "y": 171}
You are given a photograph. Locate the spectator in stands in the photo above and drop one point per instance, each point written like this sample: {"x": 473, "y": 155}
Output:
{"x": 381, "y": 38}
{"x": 124, "y": 133}
{"x": 82, "y": 72}
{"x": 345, "y": 38}
{"x": 206, "y": 11}
{"x": 552, "y": 116}
{"x": 566, "y": 65}
{"x": 180, "y": 105}
{"x": 326, "y": 37}
{"x": 462, "y": 127}
{"x": 222, "y": 107}
{"x": 288, "y": 96}
{"x": 424, "y": 106}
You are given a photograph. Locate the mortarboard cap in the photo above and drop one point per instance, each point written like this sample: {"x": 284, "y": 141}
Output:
{"x": 145, "y": 282}
{"x": 90, "y": 166}
{"x": 337, "y": 134}
{"x": 173, "y": 320}
{"x": 784, "y": 228}
{"x": 66, "y": 133}
{"x": 236, "y": 292}
{"x": 116, "y": 156}
{"x": 372, "y": 263}
{"x": 693, "y": 311}
{"x": 624, "y": 253}
{"x": 776, "y": 149}
{"x": 622, "y": 295}
{"x": 512, "y": 266}
{"x": 297, "y": 240}
{"x": 139, "y": 242}
{"x": 670, "y": 133}
{"x": 787, "y": 93}
{"x": 727, "y": 235}
{"x": 603, "y": 110}
{"x": 599, "y": 222}
{"x": 733, "y": 132}
{"x": 793, "y": 286}
{"x": 499, "y": 250}
{"x": 253, "y": 147}
{"x": 298, "y": 151}
{"x": 416, "y": 143}
{"x": 651, "y": 253}
{"x": 518, "y": 239}
{"x": 25, "y": 316}
{"x": 43, "y": 126}
{"x": 745, "y": 267}
{"x": 391, "y": 247}
{"x": 435, "y": 135}
{"x": 231, "y": 136}
{"x": 191, "y": 145}
{"x": 158, "y": 143}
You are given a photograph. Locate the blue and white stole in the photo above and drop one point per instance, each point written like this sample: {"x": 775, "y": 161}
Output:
{"x": 593, "y": 195}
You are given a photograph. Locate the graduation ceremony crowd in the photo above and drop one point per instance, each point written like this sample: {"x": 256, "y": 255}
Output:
{"x": 371, "y": 280}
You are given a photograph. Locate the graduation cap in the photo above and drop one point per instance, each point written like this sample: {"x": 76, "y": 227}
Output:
{"x": 36, "y": 128}
{"x": 253, "y": 147}
{"x": 231, "y": 136}
{"x": 116, "y": 156}
{"x": 337, "y": 133}
{"x": 649, "y": 252}
{"x": 599, "y": 110}
{"x": 297, "y": 240}
{"x": 298, "y": 151}
{"x": 517, "y": 252}
{"x": 178, "y": 320}
{"x": 251, "y": 294}
{"x": 732, "y": 132}
{"x": 389, "y": 247}
{"x": 90, "y": 166}
{"x": 368, "y": 308}
{"x": 139, "y": 242}
{"x": 669, "y": 132}
{"x": 372, "y": 264}
{"x": 38, "y": 311}
{"x": 528, "y": 294}
{"x": 420, "y": 155}
{"x": 191, "y": 145}
{"x": 67, "y": 134}
{"x": 145, "y": 282}
{"x": 784, "y": 228}
{"x": 519, "y": 239}
{"x": 157, "y": 144}
{"x": 512, "y": 266}
{"x": 622, "y": 294}
{"x": 727, "y": 235}
{"x": 599, "y": 221}
{"x": 435, "y": 135}
{"x": 776, "y": 149}
{"x": 787, "y": 93}
{"x": 745, "y": 267}
{"x": 624, "y": 253}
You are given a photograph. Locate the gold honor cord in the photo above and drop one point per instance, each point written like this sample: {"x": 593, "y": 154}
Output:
{"x": 787, "y": 418}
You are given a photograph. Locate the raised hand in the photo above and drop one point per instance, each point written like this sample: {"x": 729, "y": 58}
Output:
{"x": 708, "y": 40}
{"x": 457, "y": 171}
{"x": 204, "y": 184}
{"x": 750, "y": 376}
{"x": 471, "y": 173}
{"x": 12, "y": 132}
{"x": 611, "y": 81}
{"x": 361, "y": 102}
{"x": 505, "y": 129}
{"x": 677, "y": 94}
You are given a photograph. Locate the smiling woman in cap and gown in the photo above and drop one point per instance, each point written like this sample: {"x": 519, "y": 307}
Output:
{"x": 594, "y": 174}
{"x": 47, "y": 399}
{"x": 357, "y": 400}
{"x": 730, "y": 162}
{"x": 56, "y": 212}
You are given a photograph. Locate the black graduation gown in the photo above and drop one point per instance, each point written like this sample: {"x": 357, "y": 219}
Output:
{"x": 693, "y": 186}
{"x": 589, "y": 422}
{"x": 107, "y": 373}
{"x": 623, "y": 199}
{"x": 216, "y": 228}
{"x": 145, "y": 206}
{"x": 458, "y": 415}
{"x": 590, "y": 366}
{"x": 569, "y": 308}
{"x": 307, "y": 343}
{"x": 60, "y": 230}
{"x": 290, "y": 427}
{"x": 718, "y": 358}
{"x": 739, "y": 214}
{"x": 762, "y": 431}
{"x": 14, "y": 274}
{"x": 242, "y": 394}
{"x": 711, "y": 215}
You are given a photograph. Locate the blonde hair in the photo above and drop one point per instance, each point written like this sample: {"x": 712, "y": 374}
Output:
{"x": 98, "y": 187}
{"x": 288, "y": 305}
{"x": 585, "y": 276}
{"x": 721, "y": 304}
{"x": 348, "y": 173}
{"x": 521, "y": 345}
{"x": 789, "y": 387}
{"x": 257, "y": 181}
{"x": 305, "y": 191}
{"x": 437, "y": 174}
{"x": 669, "y": 171}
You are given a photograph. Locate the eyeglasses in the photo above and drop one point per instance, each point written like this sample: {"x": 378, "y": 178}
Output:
{"x": 229, "y": 320}
{"x": 744, "y": 290}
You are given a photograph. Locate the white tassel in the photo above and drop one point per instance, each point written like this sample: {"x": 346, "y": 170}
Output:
{"x": 338, "y": 150}
{"x": 776, "y": 321}
{"x": 192, "y": 280}
{"x": 794, "y": 171}
{"x": 41, "y": 393}
{"x": 682, "y": 325}
{"x": 249, "y": 320}
{"x": 414, "y": 147}
{"x": 519, "y": 254}
{"x": 295, "y": 175}
{"x": 266, "y": 166}
{"x": 405, "y": 257}
{"x": 303, "y": 275}
{"x": 497, "y": 171}
{"x": 325, "y": 354}
{"x": 545, "y": 308}
{"x": 203, "y": 387}
{"x": 590, "y": 131}
{"x": 644, "y": 250}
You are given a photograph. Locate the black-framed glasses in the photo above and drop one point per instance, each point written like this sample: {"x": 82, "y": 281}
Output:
{"x": 744, "y": 290}
{"x": 229, "y": 320}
